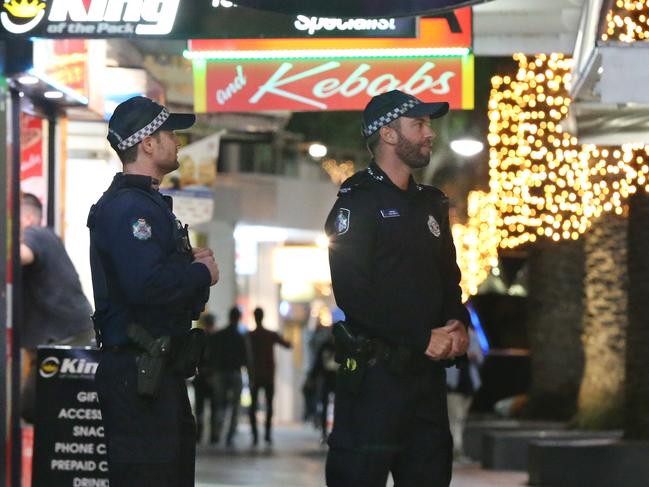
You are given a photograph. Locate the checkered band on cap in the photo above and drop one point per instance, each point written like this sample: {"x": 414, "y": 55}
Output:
{"x": 139, "y": 136}
{"x": 390, "y": 116}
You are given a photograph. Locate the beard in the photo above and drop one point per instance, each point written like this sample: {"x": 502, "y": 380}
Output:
{"x": 411, "y": 153}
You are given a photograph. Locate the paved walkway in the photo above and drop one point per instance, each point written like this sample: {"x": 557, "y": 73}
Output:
{"x": 297, "y": 460}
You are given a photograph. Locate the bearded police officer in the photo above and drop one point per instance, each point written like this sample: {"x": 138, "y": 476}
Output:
{"x": 395, "y": 276}
{"x": 148, "y": 286}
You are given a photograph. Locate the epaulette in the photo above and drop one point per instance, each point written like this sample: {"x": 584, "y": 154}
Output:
{"x": 433, "y": 190}
{"x": 358, "y": 180}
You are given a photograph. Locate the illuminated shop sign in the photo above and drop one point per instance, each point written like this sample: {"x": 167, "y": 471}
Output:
{"x": 451, "y": 30}
{"x": 328, "y": 83}
{"x": 181, "y": 19}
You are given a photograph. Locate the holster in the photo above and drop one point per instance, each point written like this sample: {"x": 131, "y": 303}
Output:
{"x": 151, "y": 363}
{"x": 188, "y": 351}
{"x": 352, "y": 356}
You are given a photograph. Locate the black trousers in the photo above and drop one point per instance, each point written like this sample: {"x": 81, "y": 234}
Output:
{"x": 269, "y": 390}
{"x": 393, "y": 424}
{"x": 150, "y": 440}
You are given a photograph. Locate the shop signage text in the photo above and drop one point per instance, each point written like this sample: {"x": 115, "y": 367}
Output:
{"x": 165, "y": 18}
{"x": 307, "y": 85}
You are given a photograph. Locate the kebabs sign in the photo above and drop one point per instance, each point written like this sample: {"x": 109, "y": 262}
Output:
{"x": 241, "y": 75}
{"x": 326, "y": 84}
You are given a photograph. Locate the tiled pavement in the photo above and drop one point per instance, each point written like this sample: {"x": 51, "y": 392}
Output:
{"x": 297, "y": 460}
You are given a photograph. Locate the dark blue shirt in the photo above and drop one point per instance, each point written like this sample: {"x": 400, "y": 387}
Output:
{"x": 392, "y": 259}
{"x": 141, "y": 261}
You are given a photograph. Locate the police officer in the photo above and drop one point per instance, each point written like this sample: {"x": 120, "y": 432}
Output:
{"x": 395, "y": 276}
{"x": 145, "y": 274}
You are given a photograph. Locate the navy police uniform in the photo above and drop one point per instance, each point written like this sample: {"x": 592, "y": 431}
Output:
{"x": 395, "y": 276}
{"x": 143, "y": 273}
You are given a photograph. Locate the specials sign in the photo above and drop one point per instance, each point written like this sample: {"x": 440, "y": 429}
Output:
{"x": 183, "y": 20}
{"x": 328, "y": 84}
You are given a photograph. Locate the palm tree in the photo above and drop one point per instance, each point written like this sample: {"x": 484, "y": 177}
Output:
{"x": 601, "y": 395}
{"x": 555, "y": 298}
{"x": 636, "y": 418}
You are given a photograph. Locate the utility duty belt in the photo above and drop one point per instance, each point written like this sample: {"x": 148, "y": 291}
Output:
{"x": 355, "y": 353}
{"x": 155, "y": 355}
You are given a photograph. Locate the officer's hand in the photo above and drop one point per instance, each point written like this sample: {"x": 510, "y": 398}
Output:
{"x": 459, "y": 335}
{"x": 440, "y": 344}
{"x": 211, "y": 266}
{"x": 200, "y": 252}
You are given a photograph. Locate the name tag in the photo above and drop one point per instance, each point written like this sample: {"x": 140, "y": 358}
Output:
{"x": 391, "y": 213}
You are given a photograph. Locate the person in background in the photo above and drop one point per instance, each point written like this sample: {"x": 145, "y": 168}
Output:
{"x": 262, "y": 342}
{"x": 322, "y": 377}
{"x": 231, "y": 356}
{"x": 462, "y": 383}
{"x": 205, "y": 382}
{"x": 55, "y": 310}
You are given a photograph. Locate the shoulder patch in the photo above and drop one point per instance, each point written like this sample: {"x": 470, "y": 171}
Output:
{"x": 341, "y": 224}
{"x": 141, "y": 229}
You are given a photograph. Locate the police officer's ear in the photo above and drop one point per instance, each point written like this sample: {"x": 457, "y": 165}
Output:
{"x": 388, "y": 134}
{"x": 148, "y": 144}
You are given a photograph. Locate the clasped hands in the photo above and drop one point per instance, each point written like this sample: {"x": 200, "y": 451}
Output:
{"x": 205, "y": 256}
{"x": 448, "y": 342}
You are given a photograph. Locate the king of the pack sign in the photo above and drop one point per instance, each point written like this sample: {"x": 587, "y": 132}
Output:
{"x": 69, "y": 441}
{"x": 181, "y": 19}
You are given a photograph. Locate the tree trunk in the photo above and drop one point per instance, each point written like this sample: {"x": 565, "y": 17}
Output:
{"x": 601, "y": 396}
{"x": 637, "y": 345}
{"x": 556, "y": 274}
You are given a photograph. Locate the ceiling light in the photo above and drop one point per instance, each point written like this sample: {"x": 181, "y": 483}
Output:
{"x": 317, "y": 151}
{"x": 467, "y": 147}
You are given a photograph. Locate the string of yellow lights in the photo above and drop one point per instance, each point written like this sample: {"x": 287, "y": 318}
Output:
{"x": 543, "y": 184}
{"x": 627, "y": 21}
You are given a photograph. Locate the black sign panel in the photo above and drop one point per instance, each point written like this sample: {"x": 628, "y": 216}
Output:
{"x": 69, "y": 443}
{"x": 182, "y": 19}
{"x": 368, "y": 8}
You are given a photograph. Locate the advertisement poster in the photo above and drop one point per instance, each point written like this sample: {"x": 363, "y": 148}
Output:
{"x": 33, "y": 169}
{"x": 69, "y": 443}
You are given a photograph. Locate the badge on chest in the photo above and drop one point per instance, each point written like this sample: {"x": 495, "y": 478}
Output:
{"x": 433, "y": 226}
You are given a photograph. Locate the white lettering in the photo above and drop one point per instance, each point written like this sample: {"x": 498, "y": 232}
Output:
{"x": 69, "y": 465}
{"x": 88, "y": 482}
{"x": 362, "y": 82}
{"x": 84, "y": 414}
{"x": 315, "y": 24}
{"x": 326, "y": 87}
{"x": 152, "y": 17}
{"x": 78, "y": 366}
{"x": 76, "y": 448}
{"x": 237, "y": 85}
{"x": 72, "y": 9}
{"x": 275, "y": 81}
{"x": 88, "y": 431}
{"x": 382, "y": 84}
{"x": 162, "y": 13}
{"x": 87, "y": 396}
{"x": 357, "y": 82}
{"x": 103, "y": 466}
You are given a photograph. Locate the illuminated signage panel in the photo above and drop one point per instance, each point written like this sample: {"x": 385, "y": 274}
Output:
{"x": 328, "y": 84}
{"x": 182, "y": 20}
